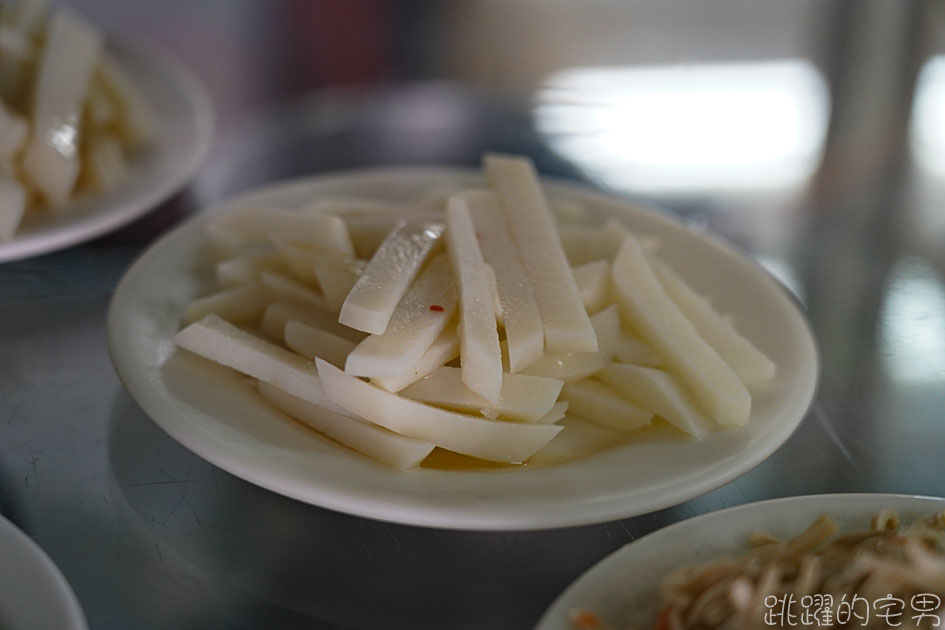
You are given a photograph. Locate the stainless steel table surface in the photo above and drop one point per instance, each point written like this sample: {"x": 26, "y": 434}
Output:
{"x": 151, "y": 536}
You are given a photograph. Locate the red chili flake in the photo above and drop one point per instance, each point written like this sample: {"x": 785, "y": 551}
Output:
{"x": 437, "y": 308}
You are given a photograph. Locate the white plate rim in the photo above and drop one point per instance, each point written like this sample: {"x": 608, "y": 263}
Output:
{"x": 107, "y": 214}
{"x": 53, "y": 588}
{"x": 693, "y": 535}
{"x": 141, "y": 385}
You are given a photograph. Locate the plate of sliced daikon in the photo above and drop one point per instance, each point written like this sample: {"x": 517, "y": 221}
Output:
{"x": 95, "y": 130}
{"x": 462, "y": 349}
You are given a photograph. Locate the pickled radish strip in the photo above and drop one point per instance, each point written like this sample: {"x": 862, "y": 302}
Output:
{"x": 660, "y": 322}
{"x": 12, "y": 206}
{"x": 239, "y": 305}
{"x": 520, "y": 316}
{"x": 557, "y": 411}
{"x": 443, "y": 350}
{"x": 480, "y": 354}
{"x": 282, "y": 311}
{"x": 660, "y": 393}
{"x": 573, "y": 366}
{"x": 313, "y": 342}
{"x": 629, "y": 349}
{"x": 284, "y": 286}
{"x": 525, "y": 398}
{"x": 593, "y": 283}
{"x": 245, "y": 269}
{"x": 419, "y": 320}
{"x": 750, "y": 364}
{"x": 250, "y": 223}
{"x": 604, "y": 405}
{"x": 220, "y": 341}
{"x": 385, "y": 446}
{"x": 299, "y": 259}
{"x": 388, "y": 275}
{"x": 51, "y": 157}
{"x": 566, "y": 323}
{"x": 492, "y": 440}
{"x": 337, "y": 274}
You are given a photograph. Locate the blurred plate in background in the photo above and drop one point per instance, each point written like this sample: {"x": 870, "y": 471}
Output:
{"x": 183, "y": 132}
{"x": 33, "y": 592}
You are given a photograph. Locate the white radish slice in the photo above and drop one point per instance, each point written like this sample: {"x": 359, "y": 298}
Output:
{"x": 388, "y": 275}
{"x": 593, "y": 283}
{"x": 557, "y": 411}
{"x": 630, "y": 349}
{"x": 659, "y": 392}
{"x": 313, "y": 342}
{"x": 497, "y": 311}
{"x": 299, "y": 259}
{"x": 369, "y": 439}
{"x": 567, "y": 328}
{"x": 105, "y": 164}
{"x": 284, "y": 286}
{"x": 480, "y": 354}
{"x": 336, "y": 274}
{"x": 368, "y": 233}
{"x": 443, "y": 350}
{"x": 239, "y": 305}
{"x": 245, "y": 269}
{"x": 580, "y": 244}
{"x": 369, "y": 229}
{"x": 135, "y": 120}
{"x": 17, "y": 61}
{"x": 100, "y": 111}
{"x": 520, "y": 317}
{"x": 51, "y": 157}
{"x": 525, "y": 398}
{"x": 220, "y": 341}
{"x": 584, "y": 244}
{"x": 13, "y": 132}
{"x": 493, "y": 440}
{"x": 609, "y": 239}
{"x": 573, "y": 366}
{"x": 604, "y": 405}
{"x": 281, "y": 312}
{"x": 750, "y": 364}
{"x": 12, "y": 206}
{"x": 579, "y": 438}
{"x": 419, "y": 320}
{"x": 660, "y": 322}
{"x": 257, "y": 223}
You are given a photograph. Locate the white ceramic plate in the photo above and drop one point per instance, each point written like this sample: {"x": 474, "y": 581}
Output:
{"x": 183, "y": 130}
{"x": 216, "y": 415}
{"x": 622, "y": 588}
{"x": 33, "y": 593}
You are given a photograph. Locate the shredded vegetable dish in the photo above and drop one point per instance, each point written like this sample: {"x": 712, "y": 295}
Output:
{"x": 888, "y": 576}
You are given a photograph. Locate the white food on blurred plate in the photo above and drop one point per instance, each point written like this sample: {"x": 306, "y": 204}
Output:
{"x": 70, "y": 118}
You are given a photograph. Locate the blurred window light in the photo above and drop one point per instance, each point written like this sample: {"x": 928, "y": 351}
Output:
{"x": 927, "y": 128}
{"x": 912, "y": 322}
{"x": 681, "y": 128}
